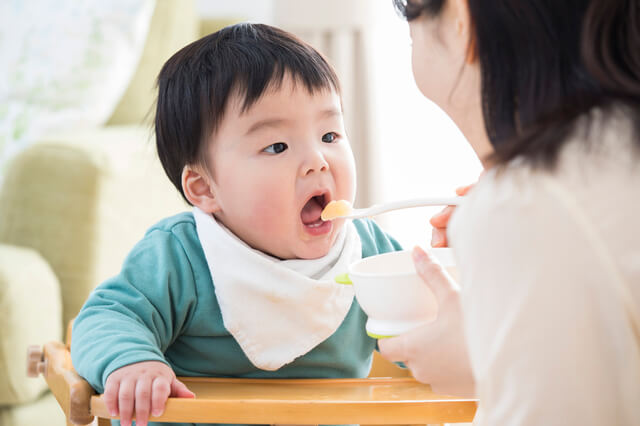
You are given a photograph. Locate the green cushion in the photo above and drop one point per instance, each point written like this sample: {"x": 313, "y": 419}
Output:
{"x": 174, "y": 24}
{"x": 83, "y": 204}
{"x": 31, "y": 314}
{"x": 48, "y": 202}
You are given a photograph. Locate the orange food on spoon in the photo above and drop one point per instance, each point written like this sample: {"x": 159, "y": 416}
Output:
{"x": 336, "y": 209}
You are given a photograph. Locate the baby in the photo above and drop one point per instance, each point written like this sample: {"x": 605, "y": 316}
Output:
{"x": 249, "y": 129}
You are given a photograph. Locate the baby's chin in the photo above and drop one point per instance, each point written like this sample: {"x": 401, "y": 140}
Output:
{"x": 304, "y": 246}
{"x": 316, "y": 248}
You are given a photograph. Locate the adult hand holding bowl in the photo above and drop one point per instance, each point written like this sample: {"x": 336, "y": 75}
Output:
{"x": 392, "y": 293}
{"x": 435, "y": 352}
{"x": 421, "y": 303}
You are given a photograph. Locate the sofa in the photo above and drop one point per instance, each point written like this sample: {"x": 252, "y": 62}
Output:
{"x": 71, "y": 207}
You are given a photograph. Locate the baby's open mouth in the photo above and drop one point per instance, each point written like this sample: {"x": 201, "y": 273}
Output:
{"x": 311, "y": 211}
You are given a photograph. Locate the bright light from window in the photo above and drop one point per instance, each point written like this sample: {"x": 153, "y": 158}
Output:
{"x": 421, "y": 151}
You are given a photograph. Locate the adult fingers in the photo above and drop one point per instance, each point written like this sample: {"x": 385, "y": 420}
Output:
{"x": 439, "y": 237}
{"x": 393, "y": 348}
{"x": 433, "y": 275}
{"x": 180, "y": 390}
{"x": 441, "y": 219}
{"x": 160, "y": 391}
{"x": 143, "y": 400}
{"x": 464, "y": 189}
{"x": 125, "y": 401}
{"x": 404, "y": 348}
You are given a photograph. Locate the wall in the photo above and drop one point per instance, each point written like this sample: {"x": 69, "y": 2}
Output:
{"x": 249, "y": 10}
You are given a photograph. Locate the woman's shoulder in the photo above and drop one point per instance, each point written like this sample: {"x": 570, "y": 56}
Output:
{"x": 598, "y": 165}
{"x": 603, "y": 147}
{"x": 582, "y": 206}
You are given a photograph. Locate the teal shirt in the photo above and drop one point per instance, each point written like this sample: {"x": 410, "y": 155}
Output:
{"x": 162, "y": 307}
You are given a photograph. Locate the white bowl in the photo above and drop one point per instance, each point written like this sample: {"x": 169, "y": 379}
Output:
{"x": 392, "y": 294}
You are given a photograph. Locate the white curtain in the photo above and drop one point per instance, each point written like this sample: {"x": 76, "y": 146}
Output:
{"x": 341, "y": 30}
{"x": 65, "y": 64}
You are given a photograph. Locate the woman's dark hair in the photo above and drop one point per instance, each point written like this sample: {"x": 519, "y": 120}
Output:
{"x": 544, "y": 63}
{"x": 195, "y": 84}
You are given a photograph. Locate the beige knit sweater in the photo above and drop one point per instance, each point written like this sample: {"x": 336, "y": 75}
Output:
{"x": 550, "y": 274}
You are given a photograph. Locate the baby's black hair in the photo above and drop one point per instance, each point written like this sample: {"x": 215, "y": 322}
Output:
{"x": 195, "y": 84}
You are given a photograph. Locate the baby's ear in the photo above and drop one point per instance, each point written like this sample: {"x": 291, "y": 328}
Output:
{"x": 199, "y": 189}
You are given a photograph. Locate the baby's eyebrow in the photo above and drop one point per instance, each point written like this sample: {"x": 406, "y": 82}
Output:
{"x": 330, "y": 113}
{"x": 267, "y": 122}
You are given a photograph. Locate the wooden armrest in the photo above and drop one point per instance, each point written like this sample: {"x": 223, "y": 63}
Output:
{"x": 271, "y": 401}
{"x": 310, "y": 401}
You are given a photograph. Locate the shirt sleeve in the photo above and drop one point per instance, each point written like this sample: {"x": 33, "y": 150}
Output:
{"x": 543, "y": 326}
{"x": 136, "y": 315}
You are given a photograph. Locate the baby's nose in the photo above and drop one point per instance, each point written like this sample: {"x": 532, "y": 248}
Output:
{"x": 314, "y": 162}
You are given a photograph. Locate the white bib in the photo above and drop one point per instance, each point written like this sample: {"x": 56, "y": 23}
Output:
{"x": 277, "y": 310}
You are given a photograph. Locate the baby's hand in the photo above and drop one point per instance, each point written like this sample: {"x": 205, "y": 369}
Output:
{"x": 140, "y": 389}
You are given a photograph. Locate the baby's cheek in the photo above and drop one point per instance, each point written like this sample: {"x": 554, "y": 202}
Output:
{"x": 345, "y": 176}
{"x": 269, "y": 212}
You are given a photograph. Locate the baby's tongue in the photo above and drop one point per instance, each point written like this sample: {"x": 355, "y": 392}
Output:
{"x": 311, "y": 211}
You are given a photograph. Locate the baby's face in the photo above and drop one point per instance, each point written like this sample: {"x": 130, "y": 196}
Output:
{"x": 275, "y": 167}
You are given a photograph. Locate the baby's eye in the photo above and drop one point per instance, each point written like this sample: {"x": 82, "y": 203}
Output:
{"x": 276, "y": 148}
{"x": 329, "y": 137}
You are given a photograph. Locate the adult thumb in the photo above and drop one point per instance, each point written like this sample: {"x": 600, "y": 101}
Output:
{"x": 433, "y": 275}
{"x": 180, "y": 390}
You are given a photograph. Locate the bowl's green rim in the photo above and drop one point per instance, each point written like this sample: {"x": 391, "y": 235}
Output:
{"x": 380, "y": 336}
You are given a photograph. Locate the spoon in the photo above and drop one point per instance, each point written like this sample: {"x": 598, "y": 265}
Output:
{"x": 343, "y": 209}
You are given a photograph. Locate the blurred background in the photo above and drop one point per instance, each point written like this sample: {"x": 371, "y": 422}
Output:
{"x": 79, "y": 177}
{"x": 68, "y": 65}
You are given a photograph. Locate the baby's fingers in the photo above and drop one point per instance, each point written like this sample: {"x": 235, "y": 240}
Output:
{"x": 180, "y": 390}
{"x": 143, "y": 400}
{"x": 110, "y": 396}
{"x": 125, "y": 401}
{"x": 160, "y": 391}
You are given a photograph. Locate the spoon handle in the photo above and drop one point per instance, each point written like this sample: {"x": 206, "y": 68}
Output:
{"x": 403, "y": 204}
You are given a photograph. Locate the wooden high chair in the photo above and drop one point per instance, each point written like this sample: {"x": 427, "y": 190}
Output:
{"x": 374, "y": 400}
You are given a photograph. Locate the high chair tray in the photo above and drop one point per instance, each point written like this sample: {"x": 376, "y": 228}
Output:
{"x": 270, "y": 401}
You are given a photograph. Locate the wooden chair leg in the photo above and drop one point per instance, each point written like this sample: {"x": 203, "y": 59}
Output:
{"x": 104, "y": 422}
